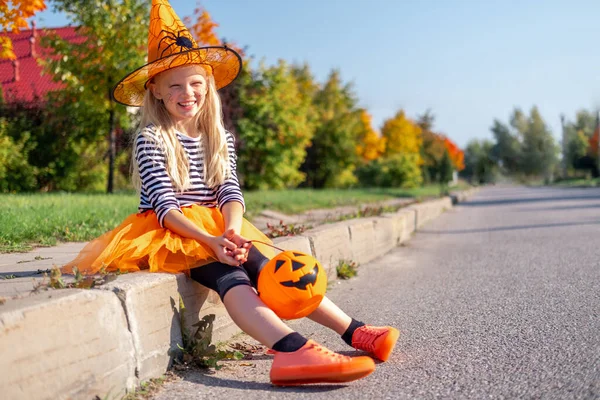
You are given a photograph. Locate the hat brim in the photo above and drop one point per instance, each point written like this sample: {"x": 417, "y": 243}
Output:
{"x": 226, "y": 65}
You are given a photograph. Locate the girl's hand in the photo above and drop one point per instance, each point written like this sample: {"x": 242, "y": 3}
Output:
{"x": 225, "y": 250}
{"x": 243, "y": 245}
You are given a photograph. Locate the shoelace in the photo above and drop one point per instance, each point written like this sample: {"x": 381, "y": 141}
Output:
{"x": 319, "y": 349}
{"x": 328, "y": 352}
{"x": 366, "y": 337}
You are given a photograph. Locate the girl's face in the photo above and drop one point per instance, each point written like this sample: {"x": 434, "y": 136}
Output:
{"x": 183, "y": 91}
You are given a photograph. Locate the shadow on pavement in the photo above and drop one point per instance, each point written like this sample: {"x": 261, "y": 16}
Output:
{"x": 517, "y": 200}
{"x": 561, "y": 208}
{"x": 22, "y": 274}
{"x": 506, "y": 228}
{"x": 213, "y": 381}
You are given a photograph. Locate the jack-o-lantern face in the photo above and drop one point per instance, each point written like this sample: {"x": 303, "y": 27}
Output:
{"x": 292, "y": 284}
{"x": 309, "y": 277}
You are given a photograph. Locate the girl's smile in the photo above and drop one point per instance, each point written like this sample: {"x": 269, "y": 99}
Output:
{"x": 183, "y": 90}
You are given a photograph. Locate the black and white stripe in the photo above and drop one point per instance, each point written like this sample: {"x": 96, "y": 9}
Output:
{"x": 158, "y": 193}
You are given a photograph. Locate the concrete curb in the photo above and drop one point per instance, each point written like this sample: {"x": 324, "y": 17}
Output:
{"x": 77, "y": 344}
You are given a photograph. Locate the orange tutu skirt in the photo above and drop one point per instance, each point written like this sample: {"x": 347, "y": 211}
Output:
{"x": 141, "y": 243}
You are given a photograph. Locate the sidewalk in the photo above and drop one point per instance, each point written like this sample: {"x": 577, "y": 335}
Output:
{"x": 106, "y": 341}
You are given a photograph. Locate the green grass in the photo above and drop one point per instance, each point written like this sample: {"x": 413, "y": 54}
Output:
{"x": 45, "y": 219}
{"x": 295, "y": 201}
{"x": 578, "y": 182}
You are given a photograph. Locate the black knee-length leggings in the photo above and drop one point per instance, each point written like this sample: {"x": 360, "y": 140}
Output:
{"x": 222, "y": 277}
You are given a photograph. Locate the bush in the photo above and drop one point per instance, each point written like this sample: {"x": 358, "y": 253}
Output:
{"x": 401, "y": 170}
{"x": 16, "y": 175}
{"x": 345, "y": 179}
{"x": 47, "y": 147}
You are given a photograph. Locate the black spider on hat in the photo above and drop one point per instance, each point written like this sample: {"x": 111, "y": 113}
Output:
{"x": 184, "y": 42}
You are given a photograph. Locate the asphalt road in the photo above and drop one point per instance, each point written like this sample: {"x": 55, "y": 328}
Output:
{"x": 498, "y": 298}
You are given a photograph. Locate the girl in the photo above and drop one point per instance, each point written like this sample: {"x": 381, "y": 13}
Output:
{"x": 191, "y": 207}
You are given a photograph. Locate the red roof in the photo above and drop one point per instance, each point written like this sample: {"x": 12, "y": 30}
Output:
{"x": 23, "y": 79}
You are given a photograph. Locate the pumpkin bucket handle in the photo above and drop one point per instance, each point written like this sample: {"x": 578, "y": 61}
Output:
{"x": 268, "y": 244}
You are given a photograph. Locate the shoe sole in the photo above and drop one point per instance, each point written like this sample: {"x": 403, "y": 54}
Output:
{"x": 293, "y": 376}
{"x": 385, "y": 350}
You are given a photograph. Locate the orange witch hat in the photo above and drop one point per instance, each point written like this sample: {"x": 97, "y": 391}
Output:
{"x": 171, "y": 45}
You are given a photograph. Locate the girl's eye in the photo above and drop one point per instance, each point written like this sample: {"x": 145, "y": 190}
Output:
{"x": 197, "y": 83}
{"x": 174, "y": 86}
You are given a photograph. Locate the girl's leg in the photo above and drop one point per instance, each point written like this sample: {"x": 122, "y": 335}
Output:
{"x": 297, "y": 360}
{"x": 235, "y": 288}
{"x": 252, "y": 315}
{"x": 331, "y": 316}
{"x": 379, "y": 341}
{"x": 327, "y": 314}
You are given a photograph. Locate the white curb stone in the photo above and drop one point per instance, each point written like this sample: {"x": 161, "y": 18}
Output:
{"x": 330, "y": 243}
{"x": 151, "y": 302}
{"x": 410, "y": 223}
{"x": 200, "y": 301}
{"x": 300, "y": 243}
{"x": 362, "y": 239}
{"x": 67, "y": 344}
{"x": 386, "y": 231}
{"x": 397, "y": 221}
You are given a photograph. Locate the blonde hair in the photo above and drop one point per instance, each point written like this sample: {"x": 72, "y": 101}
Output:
{"x": 208, "y": 121}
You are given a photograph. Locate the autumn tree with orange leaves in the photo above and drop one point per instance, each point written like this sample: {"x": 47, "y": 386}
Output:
{"x": 13, "y": 17}
{"x": 434, "y": 149}
{"x": 457, "y": 156}
{"x": 395, "y": 157}
{"x": 202, "y": 27}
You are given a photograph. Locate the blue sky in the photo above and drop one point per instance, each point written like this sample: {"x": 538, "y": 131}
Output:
{"x": 469, "y": 61}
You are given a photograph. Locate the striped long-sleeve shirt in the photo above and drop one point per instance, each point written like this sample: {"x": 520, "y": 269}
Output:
{"x": 157, "y": 191}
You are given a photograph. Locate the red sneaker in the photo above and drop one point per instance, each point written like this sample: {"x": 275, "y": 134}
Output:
{"x": 378, "y": 340}
{"x": 313, "y": 363}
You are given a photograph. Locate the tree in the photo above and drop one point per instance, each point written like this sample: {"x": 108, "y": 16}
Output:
{"x": 274, "y": 129}
{"x": 577, "y": 152}
{"x": 426, "y": 120}
{"x": 370, "y": 145}
{"x": 116, "y": 34}
{"x": 539, "y": 150}
{"x": 480, "y": 166}
{"x": 331, "y": 154}
{"x": 507, "y": 150}
{"x": 432, "y": 147}
{"x": 202, "y": 28}
{"x": 579, "y": 141}
{"x": 13, "y": 17}
{"x": 526, "y": 146}
{"x": 519, "y": 122}
{"x": 307, "y": 90}
{"x": 455, "y": 154}
{"x": 404, "y": 139}
{"x": 402, "y": 135}
{"x": 446, "y": 172}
